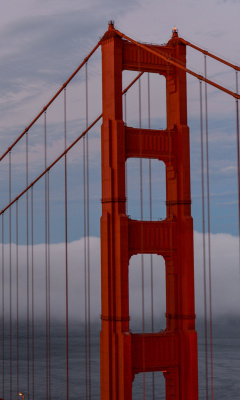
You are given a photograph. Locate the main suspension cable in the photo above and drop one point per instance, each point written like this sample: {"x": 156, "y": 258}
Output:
{"x": 62, "y": 155}
{"x": 52, "y": 100}
{"x": 171, "y": 61}
{"x": 209, "y": 54}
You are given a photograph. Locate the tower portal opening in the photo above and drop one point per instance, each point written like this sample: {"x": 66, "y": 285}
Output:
{"x": 147, "y": 293}
{"x": 152, "y": 382}
{"x": 153, "y": 189}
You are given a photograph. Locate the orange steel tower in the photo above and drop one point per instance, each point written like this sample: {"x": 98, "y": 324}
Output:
{"x": 174, "y": 351}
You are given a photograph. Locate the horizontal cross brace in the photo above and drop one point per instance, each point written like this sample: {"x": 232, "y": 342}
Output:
{"x": 149, "y": 143}
{"x": 154, "y": 351}
{"x": 152, "y": 237}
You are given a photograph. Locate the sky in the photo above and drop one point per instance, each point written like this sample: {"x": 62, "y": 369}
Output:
{"x": 43, "y": 42}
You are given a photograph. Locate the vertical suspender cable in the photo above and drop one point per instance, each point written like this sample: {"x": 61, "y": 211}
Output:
{"x": 3, "y": 312}
{"x": 238, "y": 164}
{"x": 49, "y": 304}
{"x": 125, "y": 108}
{"x": 141, "y": 199}
{"x": 27, "y": 240}
{"x": 126, "y": 176}
{"x": 88, "y": 247}
{"x": 150, "y": 212}
{"x": 10, "y": 274}
{"x": 204, "y": 244}
{"x": 46, "y": 259}
{"x": 209, "y": 230}
{"x": 66, "y": 237}
{"x": 17, "y": 295}
{"x": 150, "y": 205}
{"x": 141, "y": 213}
{"x": 85, "y": 264}
{"x": 33, "y": 333}
{"x": 47, "y": 266}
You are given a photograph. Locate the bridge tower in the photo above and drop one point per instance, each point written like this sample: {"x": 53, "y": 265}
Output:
{"x": 174, "y": 351}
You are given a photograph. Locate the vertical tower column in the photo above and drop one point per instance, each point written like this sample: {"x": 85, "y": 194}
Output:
{"x": 174, "y": 351}
{"x": 116, "y": 372}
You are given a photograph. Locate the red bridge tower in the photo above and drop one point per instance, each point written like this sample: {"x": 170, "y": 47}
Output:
{"x": 174, "y": 351}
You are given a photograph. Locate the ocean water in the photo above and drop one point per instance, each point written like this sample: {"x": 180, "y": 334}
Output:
{"x": 226, "y": 365}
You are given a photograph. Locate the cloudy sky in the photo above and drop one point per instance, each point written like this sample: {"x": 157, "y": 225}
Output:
{"x": 43, "y": 42}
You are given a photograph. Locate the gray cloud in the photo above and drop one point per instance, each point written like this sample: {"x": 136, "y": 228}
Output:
{"x": 225, "y": 280}
{"x": 47, "y": 46}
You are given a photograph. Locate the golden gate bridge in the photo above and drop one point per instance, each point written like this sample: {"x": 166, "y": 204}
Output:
{"x": 51, "y": 282}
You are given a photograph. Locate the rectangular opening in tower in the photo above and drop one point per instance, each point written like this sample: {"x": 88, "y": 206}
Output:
{"x": 147, "y": 293}
{"x": 152, "y": 383}
{"x": 146, "y": 189}
{"x": 144, "y": 104}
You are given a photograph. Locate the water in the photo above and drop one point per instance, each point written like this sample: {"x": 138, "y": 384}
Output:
{"x": 226, "y": 365}
{"x": 226, "y": 369}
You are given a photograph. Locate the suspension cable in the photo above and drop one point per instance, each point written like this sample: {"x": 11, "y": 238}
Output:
{"x": 3, "y": 312}
{"x": 32, "y": 262}
{"x": 209, "y": 54}
{"x": 10, "y": 274}
{"x": 52, "y": 100}
{"x": 209, "y": 230}
{"x": 204, "y": 243}
{"x": 238, "y": 164}
{"x": 141, "y": 218}
{"x": 47, "y": 305}
{"x": 66, "y": 239}
{"x": 125, "y": 108}
{"x": 17, "y": 294}
{"x": 45, "y": 226}
{"x": 132, "y": 83}
{"x": 27, "y": 248}
{"x": 150, "y": 217}
{"x": 150, "y": 204}
{"x": 171, "y": 61}
{"x": 85, "y": 263}
{"x": 48, "y": 269}
{"x": 61, "y": 155}
{"x": 51, "y": 165}
{"x": 124, "y": 93}
{"x": 88, "y": 247}
{"x": 126, "y": 168}
{"x": 46, "y": 259}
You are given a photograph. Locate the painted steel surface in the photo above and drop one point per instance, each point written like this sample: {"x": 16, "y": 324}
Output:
{"x": 174, "y": 351}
